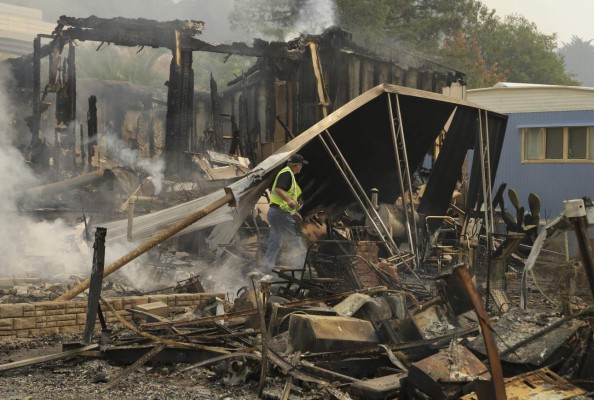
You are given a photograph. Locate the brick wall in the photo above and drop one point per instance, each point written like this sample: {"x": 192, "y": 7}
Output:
{"x": 26, "y": 320}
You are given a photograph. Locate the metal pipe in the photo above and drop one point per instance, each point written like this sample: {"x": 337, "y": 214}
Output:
{"x": 486, "y": 197}
{"x": 131, "y": 208}
{"x": 390, "y": 240}
{"x": 369, "y": 206}
{"x": 408, "y": 179}
{"x": 143, "y": 248}
{"x": 63, "y": 186}
{"x": 399, "y": 170}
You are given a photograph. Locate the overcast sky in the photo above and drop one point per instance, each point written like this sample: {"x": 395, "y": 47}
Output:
{"x": 564, "y": 17}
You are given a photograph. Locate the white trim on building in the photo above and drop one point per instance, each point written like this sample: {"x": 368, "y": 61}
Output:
{"x": 511, "y": 98}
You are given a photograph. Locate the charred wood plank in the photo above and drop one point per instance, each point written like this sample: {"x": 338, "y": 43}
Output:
{"x": 137, "y": 364}
{"x": 43, "y": 359}
{"x": 96, "y": 283}
{"x": 127, "y": 31}
{"x": 260, "y": 48}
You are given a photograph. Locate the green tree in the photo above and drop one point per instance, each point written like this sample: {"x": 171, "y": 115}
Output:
{"x": 148, "y": 67}
{"x": 443, "y": 30}
{"x": 367, "y": 20}
{"x": 579, "y": 59}
{"x": 466, "y": 55}
{"x": 516, "y": 45}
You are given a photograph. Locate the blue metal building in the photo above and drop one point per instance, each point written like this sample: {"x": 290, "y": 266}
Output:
{"x": 549, "y": 141}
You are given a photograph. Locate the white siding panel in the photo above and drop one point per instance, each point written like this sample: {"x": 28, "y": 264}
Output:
{"x": 533, "y": 99}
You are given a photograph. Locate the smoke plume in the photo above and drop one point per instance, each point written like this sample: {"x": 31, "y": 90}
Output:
{"x": 314, "y": 17}
{"x": 28, "y": 246}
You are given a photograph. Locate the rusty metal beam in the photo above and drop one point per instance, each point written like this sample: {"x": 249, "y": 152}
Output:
{"x": 461, "y": 274}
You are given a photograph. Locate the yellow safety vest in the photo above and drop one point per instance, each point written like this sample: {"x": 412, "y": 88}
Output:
{"x": 294, "y": 192}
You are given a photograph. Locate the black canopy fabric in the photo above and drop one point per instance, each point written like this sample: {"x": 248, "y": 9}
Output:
{"x": 362, "y": 132}
{"x": 364, "y": 137}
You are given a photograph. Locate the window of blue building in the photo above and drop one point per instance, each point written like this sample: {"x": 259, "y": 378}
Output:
{"x": 558, "y": 144}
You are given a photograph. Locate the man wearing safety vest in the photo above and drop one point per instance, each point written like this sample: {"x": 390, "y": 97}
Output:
{"x": 283, "y": 214}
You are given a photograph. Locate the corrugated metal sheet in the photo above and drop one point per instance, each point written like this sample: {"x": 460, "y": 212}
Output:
{"x": 553, "y": 182}
{"x": 533, "y": 98}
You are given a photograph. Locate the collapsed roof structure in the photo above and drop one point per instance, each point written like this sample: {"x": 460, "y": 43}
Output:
{"x": 371, "y": 307}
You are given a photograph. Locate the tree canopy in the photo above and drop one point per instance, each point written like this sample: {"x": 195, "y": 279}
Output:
{"x": 579, "y": 59}
{"x": 463, "y": 34}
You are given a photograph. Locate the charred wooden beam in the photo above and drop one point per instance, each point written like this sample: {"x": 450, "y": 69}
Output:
{"x": 91, "y": 129}
{"x": 259, "y": 48}
{"x": 180, "y": 105}
{"x": 35, "y": 120}
{"x": 127, "y": 31}
{"x": 96, "y": 283}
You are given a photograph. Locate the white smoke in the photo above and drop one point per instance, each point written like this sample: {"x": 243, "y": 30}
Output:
{"x": 314, "y": 17}
{"x": 119, "y": 152}
{"x": 29, "y": 247}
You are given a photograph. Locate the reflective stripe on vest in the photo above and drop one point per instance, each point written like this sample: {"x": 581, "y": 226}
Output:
{"x": 294, "y": 192}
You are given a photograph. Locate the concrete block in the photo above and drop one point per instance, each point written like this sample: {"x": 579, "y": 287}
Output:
{"x": 6, "y": 324}
{"x": 117, "y": 304}
{"x": 81, "y": 318}
{"x": 55, "y": 312}
{"x": 65, "y": 317}
{"x": 24, "y": 323}
{"x": 23, "y": 334}
{"x": 65, "y": 323}
{"x": 319, "y": 333}
{"x": 157, "y": 297}
{"x": 49, "y": 305}
{"x": 158, "y": 308}
{"x": 77, "y": 304}
{"x": 136, "y": 300}
{"x": 75, "y": 310}
{"x": 11, "y": 310}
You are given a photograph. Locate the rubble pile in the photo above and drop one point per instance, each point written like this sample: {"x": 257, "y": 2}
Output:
{"x": 369, "y": 343}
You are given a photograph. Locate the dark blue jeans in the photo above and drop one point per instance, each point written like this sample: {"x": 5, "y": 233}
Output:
{"x": 283, "y": 231}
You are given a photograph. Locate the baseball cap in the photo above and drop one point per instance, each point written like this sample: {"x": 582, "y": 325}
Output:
{"x": 297, "y": 159}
